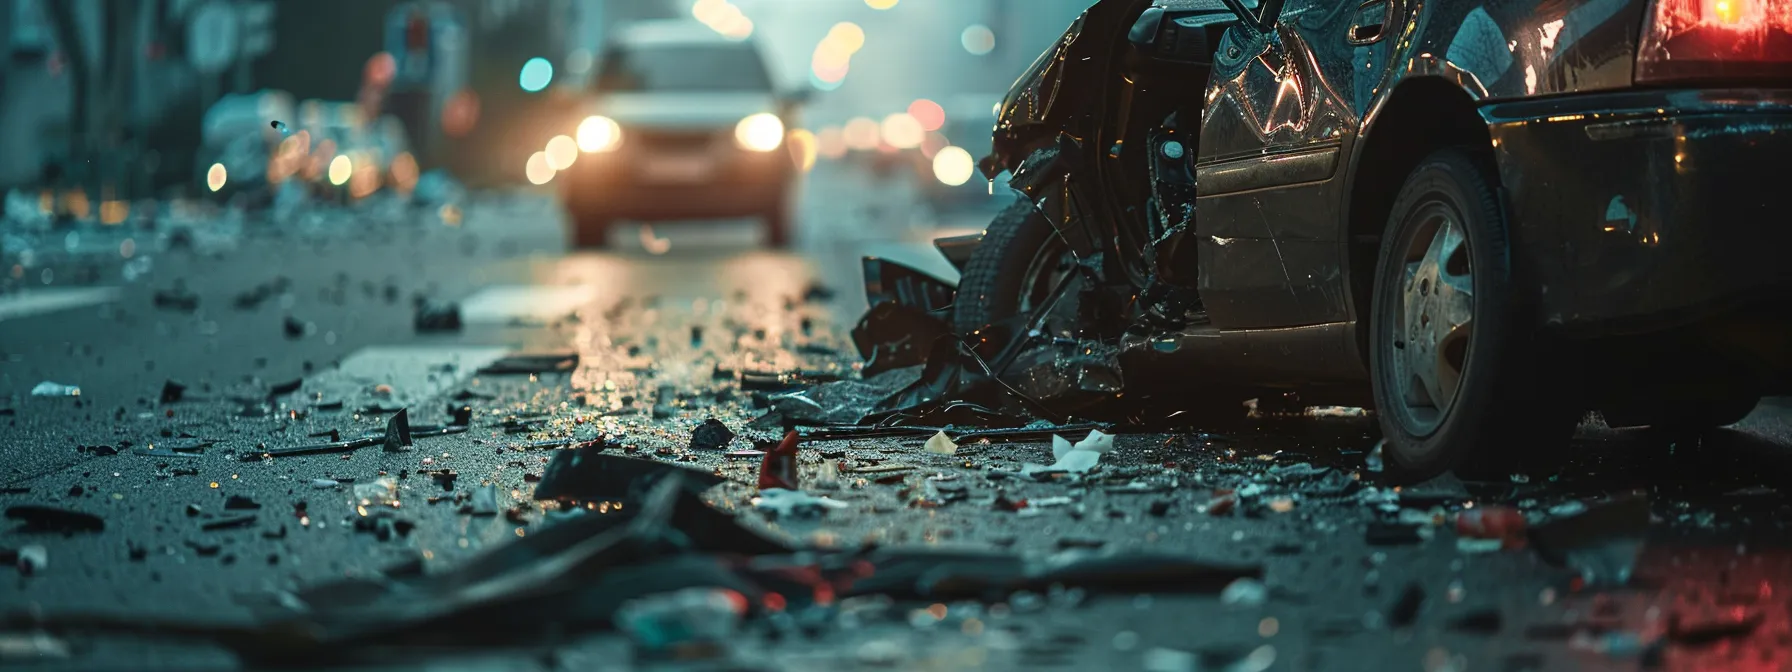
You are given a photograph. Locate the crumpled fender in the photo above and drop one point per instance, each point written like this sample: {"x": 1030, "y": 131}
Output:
{"x": 1056, "y": 93}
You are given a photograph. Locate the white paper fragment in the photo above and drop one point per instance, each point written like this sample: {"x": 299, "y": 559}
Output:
{"x": 33, "y": 559}
{"x": 1074, "y": 459}
{"x": 1245, "y": 592}
{"x": 50, "y": 388}
{"x": 940, "y": 444}
{"x": 788, "y": 503}
{"x": 828, "y": 478}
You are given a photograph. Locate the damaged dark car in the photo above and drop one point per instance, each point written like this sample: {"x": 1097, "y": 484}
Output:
{"x": 1482, "y": 221}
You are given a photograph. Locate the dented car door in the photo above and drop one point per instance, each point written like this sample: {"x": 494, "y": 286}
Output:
{"x": 1277, "y": 117}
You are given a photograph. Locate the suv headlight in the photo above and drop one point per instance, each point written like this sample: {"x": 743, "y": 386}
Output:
{"x": 599, "y": 134}
{"x": 761, "y": 132}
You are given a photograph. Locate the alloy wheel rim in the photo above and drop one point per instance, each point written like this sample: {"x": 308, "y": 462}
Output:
{"x": 1435, "y": 319}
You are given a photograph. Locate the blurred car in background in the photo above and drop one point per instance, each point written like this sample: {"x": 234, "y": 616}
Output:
{"x": 684, "y": 124}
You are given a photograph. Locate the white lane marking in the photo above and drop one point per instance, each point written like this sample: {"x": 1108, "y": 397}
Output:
{"x": 416, "y": 373}
{"x": 513, "y": 303}
{"x": 40, "y": 301}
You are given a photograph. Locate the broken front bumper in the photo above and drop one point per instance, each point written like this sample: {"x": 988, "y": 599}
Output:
{"x": 1645, "y": 210}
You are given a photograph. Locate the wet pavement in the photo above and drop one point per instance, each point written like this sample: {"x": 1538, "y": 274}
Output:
{"x": 142, "y": 527}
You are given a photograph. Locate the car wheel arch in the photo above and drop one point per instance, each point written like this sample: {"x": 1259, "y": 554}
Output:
{"x": 1379, "y": 164}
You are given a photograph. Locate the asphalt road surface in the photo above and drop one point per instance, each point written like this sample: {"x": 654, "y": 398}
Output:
{"x": 199, "y": 525}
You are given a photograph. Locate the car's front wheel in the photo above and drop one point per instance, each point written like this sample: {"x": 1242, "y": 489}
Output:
{"x": 1014, "y": 268}
{"x": 1458, "y": 381}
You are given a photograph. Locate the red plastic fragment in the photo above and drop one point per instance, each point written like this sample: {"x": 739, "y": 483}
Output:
{"x": 778, "y": 469}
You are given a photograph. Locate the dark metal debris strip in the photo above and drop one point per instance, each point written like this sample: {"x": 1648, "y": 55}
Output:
{"x": 574, "y": 576}
{"x": 536, "y": 363}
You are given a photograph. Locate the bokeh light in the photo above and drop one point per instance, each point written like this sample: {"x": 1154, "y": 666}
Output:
{"x": 803, "y": 149}
{"x": 460, "y": 114}
{"x": 830, "y": 142}
{"x": 902, "y": 131}
{"x": 599, "y": 134}
{"x": 932, "y": 145}
{"x": 723, "y": 17}
{"x": 929, "y": 113}
{"x": 216, "y": 176}
{"x": 341, "y": 168}
{"x": 562, "y": 151}
{"x": 953, "y": 166}
{"x": 881, "y": 4}
{"x": 978, "y": 39}
{"x": 861, "y": 133}
{"x": 761, "y": 132}
{"x": 404, "y": 172}
{"x": 833, "y": 55}
{"x": 536, "y": 75}
{"x": 537, "y": 169}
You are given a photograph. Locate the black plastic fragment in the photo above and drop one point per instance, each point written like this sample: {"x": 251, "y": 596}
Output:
{"x": 589, "y": 474}
{"x": 228, "y": 522}
{"x": 1392, "y": 534}
{"x": 711, "y": 435}
{"x": 173, "y": 391}
{"x": 552, "y": 362}
{"x": 398, "y": 431}
{"x": 437, "y": 317}
{"x": 39, "y": 518}
{"x": 1406, "y": 609}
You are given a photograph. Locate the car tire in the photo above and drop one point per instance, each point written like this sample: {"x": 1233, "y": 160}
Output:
{"x": 589, "y": 230}
{"x": 993, "y": 281}
{"x": 1444, "y": 272}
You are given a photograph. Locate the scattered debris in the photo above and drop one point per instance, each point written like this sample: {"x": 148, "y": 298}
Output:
{"x": 711, "y": 435}
{"x": 32, "y": 559}
{"x": 35, "y": 646}
{"x": 39, "y": 518}
{"x": 1076, "y": 459}
{"x": 177, "y": 298}
{"x": 1405, "y": 610}
{"x": 1601, "y": 544}
{"x": 228, "y": 522}
{"x": 1503, "y": 524}
{"x": 398, "y": 431}
{"x": 437, "y": 317}
{"x": 1480, "y": 621}
{"x": 1394, "y": 534}
{"x": 485, "y": 502}
{"x": 538, "y": 363}
{"x": 784, "y": 503}
{"x": 778, "y": 469}
{"x": 588, "y": 474}
{"x": 1727, "y": 624}
{"x": 325, "y": 483}
{"x": 240, "y": 503}
{"x": 941, "y": 444}
{"x": 683, "y": 621}
{"x": 1246, "y": 592}
{"x": 332, "y": 447}
{"x": 172, "y": 391}
{"x": 55, "y": 389}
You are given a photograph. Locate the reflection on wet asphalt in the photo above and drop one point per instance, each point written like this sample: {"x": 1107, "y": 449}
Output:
{"x": 1356, "y": 576}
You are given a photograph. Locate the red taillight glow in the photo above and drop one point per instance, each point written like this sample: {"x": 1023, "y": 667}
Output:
{"x": 1716, "y": 39}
